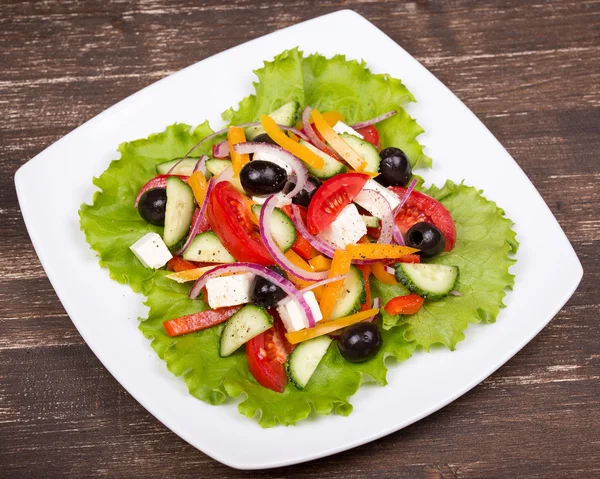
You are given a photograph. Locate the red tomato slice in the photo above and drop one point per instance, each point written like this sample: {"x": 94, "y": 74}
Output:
{"x": 371, "y": 135}
{"x": 332, "y": 197}
{"x": 230, "y": 221}
{"x": 266, "y": 354}
{"x": 420, "y": 207}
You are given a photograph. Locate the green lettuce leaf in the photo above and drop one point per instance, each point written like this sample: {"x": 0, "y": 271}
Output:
{"x": 112, "y": 223}
{"x": 485, "y": 243}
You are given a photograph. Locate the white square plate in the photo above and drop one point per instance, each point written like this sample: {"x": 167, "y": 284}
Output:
{"x": 52, "y": 186}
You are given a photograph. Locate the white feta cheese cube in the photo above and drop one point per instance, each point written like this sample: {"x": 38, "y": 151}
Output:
{"x": 273, "y": 159}
{"x": 151, "y": 250}
{"x": 364, "y": 201}
{"x": 347, "y": 228}
{"x": 341, "y": 127}
{"x": 229, "y": 290}
{"x": 292, "y": 314}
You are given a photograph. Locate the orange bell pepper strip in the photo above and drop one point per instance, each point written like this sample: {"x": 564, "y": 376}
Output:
{"x": 300, "y": 283}
{"x": 236, "y": 135}
{"x": 320, "y": 263}
{"x": 331, "y": 117}
{"x": 189, "y": 274}
{"x": 335, "y": 141}
{"x": 382, "y": 275}
{"x": 366, "y": 271}
{"x": 340, "y": 265}
{"x": 326, "y": 327}
{"x": 178, "y": 264}
{"x": 409, "y": 304}
{"x": 378, "y": 251}
{"x": 279, "y": 137}
{"x": 199, "y": 185}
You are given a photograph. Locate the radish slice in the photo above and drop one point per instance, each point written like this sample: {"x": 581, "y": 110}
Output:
{"x": 294, "y": 163}
{"x": 197, "y": 220}
{"x": 382, "y": 210}
{"x": 398, "y": 238}
{"x": 221, "y": 150}
{"x": 159, "y": 181}
{"x": 308, "y": 129}
{"x": 263, "y": 272}
{"x": 265, "y": 234}
{"x": 314, "y": 286}
{"x": 372, "y": 121}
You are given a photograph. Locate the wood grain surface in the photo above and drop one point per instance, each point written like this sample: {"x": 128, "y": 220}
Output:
{"x": 529, "y": 70}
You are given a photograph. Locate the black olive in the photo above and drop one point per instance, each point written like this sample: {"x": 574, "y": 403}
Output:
{"x": 427, "y": 238}
{"x": 303, "y": 198}
{"x": 360, "y": 342}
{"x": 152, "y": 206}
{"x": 265, "y": 293}
{"x": 260, "y": 177}
{"x": 264, "y": 138}
{"x": 394, "y": 168}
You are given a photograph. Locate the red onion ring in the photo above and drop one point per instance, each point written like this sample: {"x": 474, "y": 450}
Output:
{"x": 264, "y": 222}
{"x": 314, "y": 286}
{"x": 383, "y": 211}
{"x": 198, "y": 219}
{"x": 221, "y": 149}
{"x": 261, "y": 271}
{"x": 159, "y": 181}
{"x": 372, "y": 121}
{"x": 294, "y": 163}
{"x": 225, "y": 175}
{"x": 390, "y": 270}
{"x": 376, "y": 305}
{"x": 398, "y": 238}
{"x": 201, "y": 165}
{"x": 308, "y": 129}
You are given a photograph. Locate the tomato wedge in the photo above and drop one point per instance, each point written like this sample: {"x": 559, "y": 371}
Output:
{"x": 420, "y": 207}
{"x": 331, "y": 198}
{"x": 371, "y": 135}
{"x": 230, "y": 220}
{"x": 266, "y": 354}
{"x": 409, "y": 304}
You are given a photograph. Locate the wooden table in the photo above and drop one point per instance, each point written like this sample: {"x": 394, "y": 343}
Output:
{"x": 529, "y": 70}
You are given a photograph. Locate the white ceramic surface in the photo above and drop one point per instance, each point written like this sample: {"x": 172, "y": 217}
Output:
{"x": 53, "y": 185}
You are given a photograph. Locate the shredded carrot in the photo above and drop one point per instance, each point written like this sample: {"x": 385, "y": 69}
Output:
{"x": 335, "y": 141}
{"x": 340, "y": 265}
{"x": 320, "y": 263}
{"x": 279, "y": 137}
{"x": 378, "y": 251}
{"x": 236, "y": 135}
{"x": 382, "y": 275}
{"x": 326, "y": 327}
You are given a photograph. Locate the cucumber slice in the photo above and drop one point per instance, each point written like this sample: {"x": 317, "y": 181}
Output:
{"x": 365, "y": 150}
{"x": 179, "y": 211}
{"x": 206, "y": 248}
{"x": 303, "y": 361}
{"x": 331, "y": 166}
{"x": 282, "y": 228}
{"x": 352, "y": 295}
{"x": 371, "y": 221}
{"x": 432, "y": 281}
{"x": 247, "y": 323}
{"x": 216, "y": 166}
{"x": 186, "y": 167}
{"x": 284, "y": 115}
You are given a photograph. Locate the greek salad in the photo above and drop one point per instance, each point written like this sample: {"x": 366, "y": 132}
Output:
{"x": 280, "y": 231}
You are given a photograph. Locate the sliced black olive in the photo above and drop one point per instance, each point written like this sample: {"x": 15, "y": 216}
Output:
{"x": 360, "y": 342}
{"x": 394, "y": 168}
{"x": 152, "y": 206}
{"x": 427, "y": 238}
{"x": 303, "y": 198}
{"x": 264, "y": 138}
{"x": 265, "y": 293}
{"x": 260, "y": 177}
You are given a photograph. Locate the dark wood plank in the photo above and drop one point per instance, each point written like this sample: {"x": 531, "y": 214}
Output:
{"x": 529, "y": 70}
